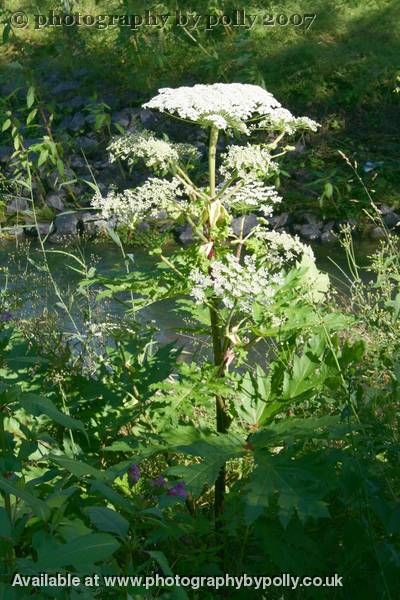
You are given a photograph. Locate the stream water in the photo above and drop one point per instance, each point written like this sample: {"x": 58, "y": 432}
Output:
{"x": 22, "y": 273}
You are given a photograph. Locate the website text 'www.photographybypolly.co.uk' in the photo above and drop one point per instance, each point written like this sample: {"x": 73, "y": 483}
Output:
{"x": 191, "y": 582}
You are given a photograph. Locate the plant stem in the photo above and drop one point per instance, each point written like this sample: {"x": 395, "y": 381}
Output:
{"x": 217, "y": 342}
{"x": 3, "y": 446}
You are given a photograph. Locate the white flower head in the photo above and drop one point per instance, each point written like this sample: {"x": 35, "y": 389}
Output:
{"x": 283, "y": 121}
{"x": 282, "y": 247}
{"x": 234, "y": 283}
{"x": 158, "y": 155}
{"x": 220, "y": 105}
{"x": 252, "y": 161}
{"x": 155, "y": 197}
{"x": 251, "y": 195}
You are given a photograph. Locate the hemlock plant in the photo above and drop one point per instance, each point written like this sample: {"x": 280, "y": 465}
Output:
{"x": 237, "y": 276}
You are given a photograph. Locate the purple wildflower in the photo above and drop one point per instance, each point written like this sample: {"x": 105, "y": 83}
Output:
{"x": 159, "y": 481}
{"x": 5, "y": 316}
{"x": 133, "y": 474}
{"x": 178, "y": 490}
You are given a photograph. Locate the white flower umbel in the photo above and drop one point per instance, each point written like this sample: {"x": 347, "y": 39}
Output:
{"x": 158, "y": 155}
{"x": 252, "y": 161}
{"x": 250, "y": 196}
{"x": 221, "y": 105}
{"x": 282, "y": 248}
{"x": 282, "y": 121}
{"x": 234, "y": 283}
{"x": 146, "y": 201}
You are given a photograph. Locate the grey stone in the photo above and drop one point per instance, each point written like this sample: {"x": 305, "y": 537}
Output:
{"x": 76, "y": 102}
{"x": 121, "y": 118}
{"x": 43, "y": 229}
{"x": 14, "y": 231}
{"x": 147, "y": 117}
{"x": 55, "y": 200}
{"x": 250, "y": 221}
{"x": 77, "y": 162}
{"x": 309, "y": 219}
{"x": 327, "y": 237}
{"x": 309, "y": 232}
{"x": 186, "y": 236}
{"x": 77, "y": 122}
{"x": 67, "y": 223}
{"x": 377, "y": 233}
{"x": 86, "y": 142}
{"x": 283, "y": 220}
{"x": 17, "y": 205}
{"x": 391, "y": 219}
{"x": 328, "y": 226}
{"x": 65, "y": 86}
{"x": 5, "y": 153}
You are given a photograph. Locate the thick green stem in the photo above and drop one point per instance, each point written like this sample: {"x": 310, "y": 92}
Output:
{"x": 212, "y": 151}
{"x": 217, "y": 342}
{"x": 3, "y": 446}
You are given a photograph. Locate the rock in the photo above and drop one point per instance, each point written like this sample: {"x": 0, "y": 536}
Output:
{"x": 17, "y": 205}
{"x": 309, "y": 232}
{"x": 55, "y": 200}
{"x": 283, "y": 220}
{"x": 65, "y": 86}
{"x": 201, "y": 147}
{"x": 77, "y": 162}
{"x": 250, "y": 221}
{"x": 5, "y": 153}
{"x": 391, "y": 219}
{"x": 43, "y": 229}
{"x": 377, "y": 233}
{"x": 186, "y": 236}
{"x": 86, "y": 143}
{"x": 328, "y": 226}
{"x": 76, "y": 102}
{"x": 148, "y": 118}
{"x": 68, "y": 223}
{"x": 309, "y": 219}
{"x": 327, "y": 237}
{"x": 15, "y": 231}
{"x": 77, "y": 122}
{"x": 121, "y": 118}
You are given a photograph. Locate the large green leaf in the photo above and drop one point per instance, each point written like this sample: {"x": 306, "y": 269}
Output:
{"x": 106, "y": 519}
{"x": 37, "y": 405}
{"x": 298, "y": 486}
{"x": 78, "y": 468}
{"x": 39, "y": 507}
{"x": 87, "y": 549}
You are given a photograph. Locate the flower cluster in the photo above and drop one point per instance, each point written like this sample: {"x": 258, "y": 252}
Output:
{"x": 158, "y": 155}
{"x": 234, "y": 283}
{"x": 251, "y": 195}
{"x": 252, "y": 161}
{"x": 221, "y": 105}
{"x": 154, "y": 197}
{"x": 283, "y": 247}
{"x": 283, "y": 121}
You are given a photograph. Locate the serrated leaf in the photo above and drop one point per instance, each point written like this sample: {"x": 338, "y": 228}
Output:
{"x": 298, "y": 486}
